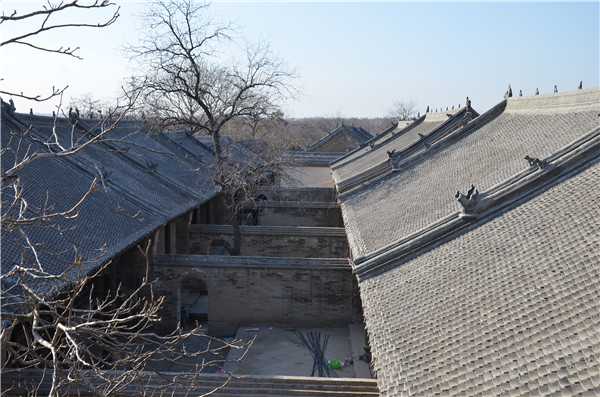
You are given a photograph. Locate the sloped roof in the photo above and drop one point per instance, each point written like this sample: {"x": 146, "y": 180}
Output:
{"x": 236, "y": 151}
{"x": 426, "y": 131}
{"x": 400, "y": 127}
{"x": 497, "y": 298}
{"x": 509, "y": 308}
{"x": 356, "y": 134}
{"x": 302, "y": 157}
{"x": 485, "y": 153}
{"x": 149, "y": 181}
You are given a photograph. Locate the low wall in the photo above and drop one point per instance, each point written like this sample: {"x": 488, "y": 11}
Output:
{"x": 287, "y": 292}
{"x": 305, "y": 242}
{"x": 306, "y": 194}
{"x": 300, "y": 214}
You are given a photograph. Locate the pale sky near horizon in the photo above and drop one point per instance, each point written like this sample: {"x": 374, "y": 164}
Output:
{"x": 354, "y": 58}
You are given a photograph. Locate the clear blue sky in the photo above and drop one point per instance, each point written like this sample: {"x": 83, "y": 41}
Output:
{"x": 356, "y": 58}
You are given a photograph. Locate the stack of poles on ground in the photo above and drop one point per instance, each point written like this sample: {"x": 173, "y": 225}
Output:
{"x": 312, "y": 341}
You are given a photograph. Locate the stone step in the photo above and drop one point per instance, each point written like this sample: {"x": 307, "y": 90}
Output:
{"x": 247, "y": 385}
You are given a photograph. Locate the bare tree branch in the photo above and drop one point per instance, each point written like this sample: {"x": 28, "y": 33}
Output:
{"x": 403, "y": 109}
{"x": 46, "y": 25}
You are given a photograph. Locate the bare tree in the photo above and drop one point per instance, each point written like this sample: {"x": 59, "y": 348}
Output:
{"x": 187, "y": 83}
{"x": 55, "y": 321}
{"x": 90, "y": 107}
{"x": 403, "y": 109}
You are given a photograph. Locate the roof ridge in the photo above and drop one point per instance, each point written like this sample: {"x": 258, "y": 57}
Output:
{"x": 540, "y": 175}
{"x": 578, "y": 100}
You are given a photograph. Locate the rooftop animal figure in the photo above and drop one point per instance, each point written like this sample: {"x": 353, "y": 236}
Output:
{"x": 580, "y": 85}
{"x": 535, "y": 161}
{"x": 469, "y": 200}
{"x": 555, "y": 89}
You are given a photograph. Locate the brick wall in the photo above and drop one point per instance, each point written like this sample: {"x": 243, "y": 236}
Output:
{"x": 305, "y": 194}
{"x": 301, "y": 215}
{"x": 273, "y": 241}
{"x": 259, "y": 291}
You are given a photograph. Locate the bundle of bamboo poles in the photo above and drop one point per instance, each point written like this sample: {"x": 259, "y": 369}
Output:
{"x": 317, "y": 349}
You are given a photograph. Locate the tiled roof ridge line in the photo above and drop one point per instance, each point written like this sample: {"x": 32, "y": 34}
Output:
{"x": 350, "y": 153}
{"x": 438, "y": 134}
{"x": 434, "y": 148}
{"x": 437, "y": 116}
{"x": 335, "y": 165}
{"x": 570, "y": 101}
{"x": 260, "y": 262}
{"x": 517, "y": 189}
{"x": 330, "y": 136}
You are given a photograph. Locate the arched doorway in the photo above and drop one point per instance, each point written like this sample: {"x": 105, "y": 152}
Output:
{"x": 194, "y": 302}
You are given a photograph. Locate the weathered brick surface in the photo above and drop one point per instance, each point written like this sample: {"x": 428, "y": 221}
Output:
{"x": 261, "y": 294}
{"x": 301, "y": 216}
{"x": 315, "y": 194}
{"x": 274, "y": 244}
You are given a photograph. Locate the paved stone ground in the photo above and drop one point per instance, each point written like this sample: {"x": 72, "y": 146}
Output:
{"x": 279, "y": 352}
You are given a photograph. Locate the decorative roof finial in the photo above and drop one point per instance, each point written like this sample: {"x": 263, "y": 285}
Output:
{"x": 508, "y": 93}
{"x": 520, "y": 92}
{"x": 580, "y": 85}
{"x": 537, "y": 92}
{"x": 467, "y": 202}
{"x": 555, "y": 89}
{"x": 534, "y": 161}
{"x": 31, "y": 111}
{"x": 427, "y": 111}
{"x": 468, "y": 115}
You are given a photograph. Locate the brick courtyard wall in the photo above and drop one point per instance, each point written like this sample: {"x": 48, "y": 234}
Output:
{"x": 305, "y": 194}
{"x": 245, "y": 291}
{"x": 303, "y": 242}
{"x": 300, "y": 214}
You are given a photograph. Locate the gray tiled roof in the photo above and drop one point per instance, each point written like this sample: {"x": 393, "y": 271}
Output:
{"x": 302, "y": 157}
{"x": 236, "y": 151}
{"x": 357, "y": 134}
{"x": 487, "y": 154}
{"x": 509, "y": 308}
{"x": 393, "y": 131}
{"x": 433, "y": 124}
{"x": 423, "y": 125}
{"x": 151, "y": 176}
